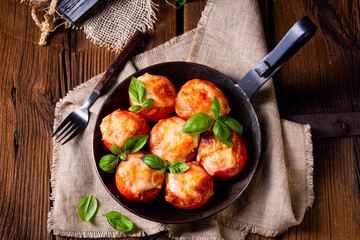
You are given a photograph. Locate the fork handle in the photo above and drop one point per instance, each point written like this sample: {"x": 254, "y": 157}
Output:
{"x": 120, "y": 60}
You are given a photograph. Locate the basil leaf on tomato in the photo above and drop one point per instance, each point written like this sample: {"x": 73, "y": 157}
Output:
{"x": 222, "y": 132}
{"x": 234, "y": 125}
{"x": 198, "y": 123}
{"x": 153, "y": 161}
{"x": 108, "y": 163}
{"x": 178, "y": 167}
{"x": 216, "y": 107}
{"x": 134, "y": 144}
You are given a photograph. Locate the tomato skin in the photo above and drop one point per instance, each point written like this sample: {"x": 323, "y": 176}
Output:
{"x": 121, "y": 124}
{"x": 163, "y": 91}
{"x": 169, "y": 142}
{"x": 196, "y": 96}
{"x": 219, "y": 160}
{"x": 136, "y": 181}
{"x": 189, "y": 190}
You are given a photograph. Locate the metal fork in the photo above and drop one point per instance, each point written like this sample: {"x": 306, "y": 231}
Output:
{"x": 77, "y": 120}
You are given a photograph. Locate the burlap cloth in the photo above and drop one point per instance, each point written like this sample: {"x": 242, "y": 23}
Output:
{"x": 229, "y": 38}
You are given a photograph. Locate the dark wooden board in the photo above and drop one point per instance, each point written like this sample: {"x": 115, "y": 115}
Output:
{"x": 321, "y": 78}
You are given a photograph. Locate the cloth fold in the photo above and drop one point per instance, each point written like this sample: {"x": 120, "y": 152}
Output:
{"x": 229, "y": 38}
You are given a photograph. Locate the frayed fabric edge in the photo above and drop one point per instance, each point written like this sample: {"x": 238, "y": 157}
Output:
{"x": 200, "y": 29}
{"x": 55, "y": 159}
{"x": 147, "y": 24}
{"x": 309, "y": 158}
{"x": 161, "y": 47}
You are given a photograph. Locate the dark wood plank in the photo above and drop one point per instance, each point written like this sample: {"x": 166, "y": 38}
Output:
{"x": 323, "y": 78}
{"x": 192, "y": 14}
{"x": 26, "y": 100}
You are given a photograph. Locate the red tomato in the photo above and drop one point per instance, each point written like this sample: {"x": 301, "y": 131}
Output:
{"x": 118, "y": 126}
{"x": 136, "y": 181}
{"x": 196, "y": 96}
{"x": 169, "y": 142}
{"x": 220, "y": 160}
{"x": 190, "y": 189}
{"x": 163, "y": 92}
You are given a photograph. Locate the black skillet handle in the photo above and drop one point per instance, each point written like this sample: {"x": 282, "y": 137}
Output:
{"x": 295, "y": 38}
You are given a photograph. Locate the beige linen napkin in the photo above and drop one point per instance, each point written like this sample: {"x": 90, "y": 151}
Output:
{"x": 229, "y": 37}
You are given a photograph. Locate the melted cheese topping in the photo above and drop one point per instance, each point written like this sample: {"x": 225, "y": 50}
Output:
{"x": 138, "y": 177}
{"x": 215, "y": 155}
{"x": 169, "y": 142}
{"x": 119, "y": 125}
{"x": 190, "y": 186}
{"x": 196, "y": 96}
{"x": 160, "y": 89}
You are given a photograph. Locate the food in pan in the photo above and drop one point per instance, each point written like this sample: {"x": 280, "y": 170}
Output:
{"x": 196, "y": 96}
{"x": 119, "y": 125}
{"x": 220, "y": 160}
{"x": 202, "y": 110}
{"x": 136, "y": 181}
{"x": 161, "y": 91}
{"x": 169, "y": 142}
{"x": 190, "y": 189}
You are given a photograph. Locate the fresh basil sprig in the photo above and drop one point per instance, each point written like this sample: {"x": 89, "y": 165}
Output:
{"x": 137, "y": 92}
{"x": 87, "y": 207}
{"x": 154, "y": 162}
{"x": 221, "y": 125}
{"x": 118, "y": 221}
{"x": 109, "y": 162}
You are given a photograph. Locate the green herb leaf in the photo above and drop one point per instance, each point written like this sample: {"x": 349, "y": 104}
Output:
{"x": 137, "y": 90}
{"x": 148, "y": 103}
{"x": 178, "y": 167}
{"x": 163, "y": 170}
{"x": 115, "y": 149}
{"x": 198, "y": 123}
{"x": 108, "y": 163}
{"x": 166, "y": 163}
{"x": 135, "y": 108}
{"x": 118, "y": 221}
{"x": 134, "y": 143}
{"x": 123, "y": 156}
{"x": 87, "y": 207}
{"x": 181, "y": 2}
{"x": 234, "y": 125}
{"x": 153, "y": 161}
{"x": 216, "y": 107}
{"x": 222, "y": 133}
{"x": 222, "y": 118}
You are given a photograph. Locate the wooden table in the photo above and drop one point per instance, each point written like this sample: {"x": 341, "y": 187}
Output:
{"x": 323, "y": 78}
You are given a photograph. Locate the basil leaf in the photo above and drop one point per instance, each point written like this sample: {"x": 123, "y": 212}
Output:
{"x": 197, "y": 123}
{"x": 221, "y": 118}
{"x": 163, "y": 170}
{"x": 137, "y": 90}
{"x": 180, "y": 2}
{"x": 148, "y": 103}
{"x": 134, "y": 143}
{"x": 135, "y": 108}
{"x": 123, "y": 156}
{"x": 119, "y": 221}
{"x": 87, "y": 207}
{"x": 222, "y": 132}
{"x": 153, "y": 161}
{"x": 166, "y": 163}
{"x": 234, "y": 125}
{"x": 216, "y": 107}
{"x": 115, "y": 149}
{"x": 108, "y": 163}
{"x": 178, "y": 167}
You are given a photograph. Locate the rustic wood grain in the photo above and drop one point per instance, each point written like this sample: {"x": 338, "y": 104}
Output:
{"x": 322, "y": 78}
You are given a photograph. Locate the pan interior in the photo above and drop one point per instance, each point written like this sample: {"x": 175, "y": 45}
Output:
{"x": 226, "y": 191}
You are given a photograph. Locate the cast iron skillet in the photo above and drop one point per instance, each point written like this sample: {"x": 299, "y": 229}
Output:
{"x": 226, "y": 191}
